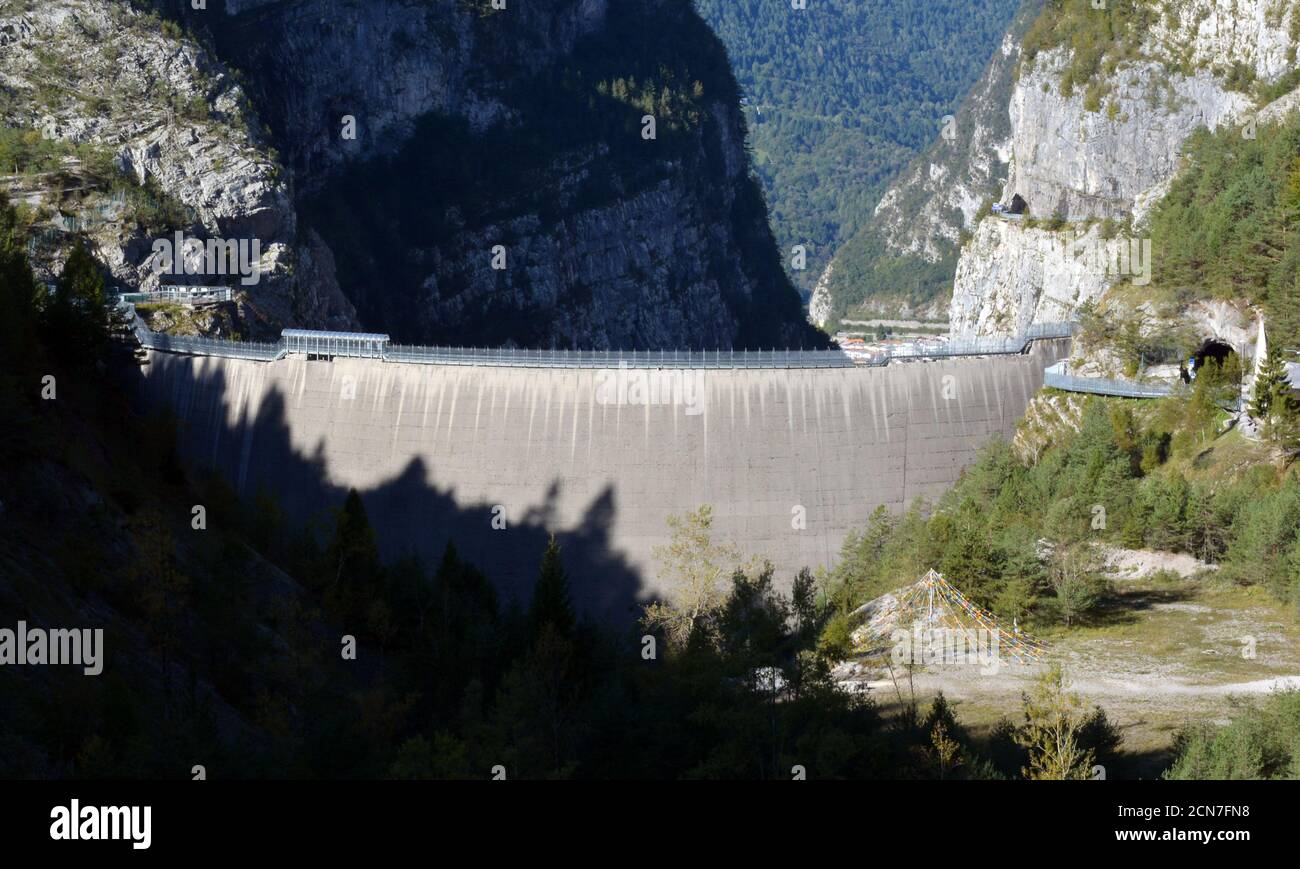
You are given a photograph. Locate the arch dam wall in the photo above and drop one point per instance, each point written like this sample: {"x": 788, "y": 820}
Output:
{"x": 437, "y": 451}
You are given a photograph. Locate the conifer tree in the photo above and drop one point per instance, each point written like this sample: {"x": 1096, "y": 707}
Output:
{"x": 1274, "y": 404}
{"x": 353, "y": 557}
{"x": 552, "y": 603}
{"x": 76, "y": 320}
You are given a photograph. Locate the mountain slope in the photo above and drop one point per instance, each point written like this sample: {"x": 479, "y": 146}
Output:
{"x": 168, "y": 142}
{"x": 498, "y": 188}
{"x": 840, "y": 96}
{"x": 1104, "y": 104}
{"x": 501, "y": 187}
{"x": 902, "y": 260}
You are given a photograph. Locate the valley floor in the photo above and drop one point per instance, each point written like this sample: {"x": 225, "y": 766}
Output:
{"x": 1165, "y": 652}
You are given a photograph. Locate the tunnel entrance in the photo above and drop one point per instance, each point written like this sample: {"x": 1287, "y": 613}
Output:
{"x": 1212, "y": 352}
{"x": 1212, "y": 349}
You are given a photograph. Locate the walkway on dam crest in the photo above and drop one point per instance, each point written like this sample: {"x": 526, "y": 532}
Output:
{"x": 329, "y": 345}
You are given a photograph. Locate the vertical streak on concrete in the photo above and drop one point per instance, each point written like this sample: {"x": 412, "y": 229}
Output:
{"x": 591, "y": 421}
{"x": 743, "y": 454}
{"x": 576, "y": 392}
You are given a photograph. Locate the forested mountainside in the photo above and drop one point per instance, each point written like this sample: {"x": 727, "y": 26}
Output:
{"x": 1102, "y": 114}
{"x": 840, "y": 96}
{"x": 902, "y": 259}
{"x": 1172, "y": 129}
{"x": 504, "y": 186}
{"x": 468, "y": 175}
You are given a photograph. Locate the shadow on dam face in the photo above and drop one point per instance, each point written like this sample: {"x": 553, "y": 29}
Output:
{"x": 791, "y": 460}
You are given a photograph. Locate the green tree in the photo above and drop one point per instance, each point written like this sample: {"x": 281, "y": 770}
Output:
{"x": 76, "y": 319}
{"x": 1052, "y": 731}
{"x": 1274, "y": 404}
{"x": 694, "y": 567}
{"x": 552, "y": 604}
{"x": 352, "y": 557}
{"x": 18, "y": 288}
{"x": 1077, "y": 580}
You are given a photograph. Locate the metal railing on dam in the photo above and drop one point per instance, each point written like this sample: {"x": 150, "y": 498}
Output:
{"x": 1056, "y": 378}
{"x": 619, "y": 358}
{"x": 330, "y": 344}
{"x": 980, "y": 346}
{"x": 600, "y": 461}
{"x": 263, "y": 351}
{"x": 188, "y": 296}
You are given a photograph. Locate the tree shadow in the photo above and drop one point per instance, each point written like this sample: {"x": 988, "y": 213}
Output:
{"x": 410, "y": 511}
{"x": 1125, "y": 608}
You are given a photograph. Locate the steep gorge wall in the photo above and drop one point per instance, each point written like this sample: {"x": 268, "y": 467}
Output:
{"x": 177, "y": 122}
{"x": 1108, "y": 146}
{"x": 522, "y": 128}
{"x": 434, "y": 449}
{"x": 901, "y": 262}
{"x": 474, "y": 128}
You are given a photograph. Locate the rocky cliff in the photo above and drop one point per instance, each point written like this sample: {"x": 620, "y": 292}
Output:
{"x": 185, "y": 147}
{"x": 1099, "y": 139}
{"x": 902, "y": 262}
{"x": 566, "y": 174}
{"x": 504, "y": 183}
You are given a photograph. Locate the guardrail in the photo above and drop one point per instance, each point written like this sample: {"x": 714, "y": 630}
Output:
{"x": 295, "y": 342}
{"x": 975, "y": 346}
{"x": 258, "y": 350}
{"x": 1055, "y": 377}
{"x": 619, "y": 358}
{"x": 183, "y": 295}
{"x": 197, "y": 346}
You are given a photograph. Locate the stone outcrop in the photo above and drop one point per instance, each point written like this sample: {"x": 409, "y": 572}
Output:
{"x": 606, "y": 239}
{"x": 1077, "y": 163}
{"x": 1004, "y": 258}
{"x": 99, "y": 74}
{"x": 1071, "y": 162}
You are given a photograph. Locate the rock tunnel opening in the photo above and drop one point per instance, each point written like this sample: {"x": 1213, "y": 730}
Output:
{"x": 1212, "y": 353}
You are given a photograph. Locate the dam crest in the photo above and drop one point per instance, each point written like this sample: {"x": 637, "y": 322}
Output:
{"x": 495, "y": 457}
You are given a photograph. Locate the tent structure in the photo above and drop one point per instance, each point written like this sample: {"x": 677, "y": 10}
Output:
{"x": 934, "y": 603}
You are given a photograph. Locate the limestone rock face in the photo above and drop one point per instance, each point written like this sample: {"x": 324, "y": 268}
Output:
{"x": 173, "y": 119}
{"x": 1012, "y": 276}
{"x": 355, "y": 146}
{"x": 607, "y": 242}
{"x": 1078, "y": 163}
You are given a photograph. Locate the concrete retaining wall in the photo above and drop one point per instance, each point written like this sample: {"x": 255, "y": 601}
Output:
{"x": 434, "y": 450}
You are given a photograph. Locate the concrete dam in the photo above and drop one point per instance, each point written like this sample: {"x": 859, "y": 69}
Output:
{"x": 496, "y": 458}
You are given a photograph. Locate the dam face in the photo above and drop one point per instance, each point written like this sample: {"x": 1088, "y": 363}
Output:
{"x": 790, "y": 460}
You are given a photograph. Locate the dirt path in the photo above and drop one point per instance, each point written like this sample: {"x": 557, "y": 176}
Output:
{"x": 1172, "y": 646}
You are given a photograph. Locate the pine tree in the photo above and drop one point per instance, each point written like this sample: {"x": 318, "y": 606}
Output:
{"x": 1272, "y": 374}
{"x": 17, "y": 287}
{"x": 1274, "y": 404}
{"x": 552, "y": 603}
{"x": 353, "y": 556}
{"x": 1052, "y": 732}
{"x": 76, "y": 320}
